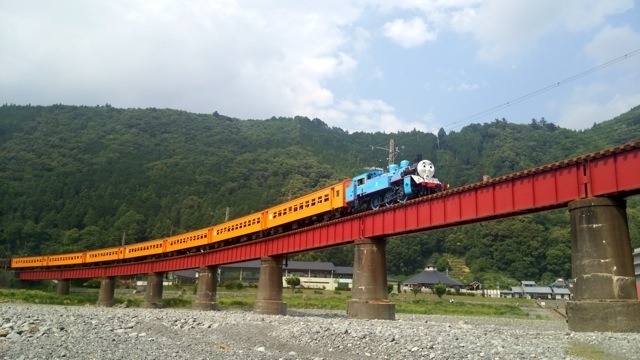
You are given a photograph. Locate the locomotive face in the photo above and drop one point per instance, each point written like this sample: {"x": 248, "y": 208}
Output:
{"x": 426, "y": 169}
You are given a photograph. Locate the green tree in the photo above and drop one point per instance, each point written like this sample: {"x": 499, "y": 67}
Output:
{"x": 440, "y": 290}
{"x": 292, "y": 282}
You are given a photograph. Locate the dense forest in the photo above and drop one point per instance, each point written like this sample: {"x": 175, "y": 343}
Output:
{"x": 75, "y": 178}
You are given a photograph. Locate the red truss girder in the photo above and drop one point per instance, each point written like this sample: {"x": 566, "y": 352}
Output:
{"x": 613, "y": 171}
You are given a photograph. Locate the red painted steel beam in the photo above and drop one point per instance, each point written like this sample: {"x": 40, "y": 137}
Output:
{"x": 611, "y": 172}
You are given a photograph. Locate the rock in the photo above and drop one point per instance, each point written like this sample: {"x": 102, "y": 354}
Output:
{"x": 14, "y": 336}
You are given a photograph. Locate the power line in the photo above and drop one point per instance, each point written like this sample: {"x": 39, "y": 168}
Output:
{"x": 545, "y": 89}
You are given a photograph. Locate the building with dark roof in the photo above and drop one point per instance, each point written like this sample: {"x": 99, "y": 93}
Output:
{"x": 431, "y": 277}
{"x": 558, "y": 290}
{"x": 312, "y": 274}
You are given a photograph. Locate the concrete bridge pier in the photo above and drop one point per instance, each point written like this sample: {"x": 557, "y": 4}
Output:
{"x": 604, "y": 292}
{"x": 107, "y": 290}
{"x": 207, "y": 289}
{"x": 63, "y": 287}
{"x": 269, "y": 300}
{"x": 369, "y": 294}
{"x": 153, "y": 294}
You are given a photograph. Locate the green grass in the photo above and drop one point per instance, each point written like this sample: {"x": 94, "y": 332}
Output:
{"x": 44, "y": 297}
{"x": 440, "y": 307}
{"x": 588, "y": 352}
{"x": 306, "y": 299}
{"x": 326, "y": 302}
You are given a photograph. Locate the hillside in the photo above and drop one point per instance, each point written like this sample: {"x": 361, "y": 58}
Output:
{"x": 74, "y": 178}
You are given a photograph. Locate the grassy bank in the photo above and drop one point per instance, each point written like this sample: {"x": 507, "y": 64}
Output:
{"x": 308, "y": 299}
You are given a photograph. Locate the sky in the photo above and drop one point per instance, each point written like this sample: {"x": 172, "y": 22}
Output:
{"x": 362, "y": 65}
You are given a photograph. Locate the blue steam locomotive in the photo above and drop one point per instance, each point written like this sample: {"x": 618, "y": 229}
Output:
{"x": 376, "y": 187}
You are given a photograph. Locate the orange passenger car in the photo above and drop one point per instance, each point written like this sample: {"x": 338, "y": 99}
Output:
{"x": 239, "y": 227}
{"x": 108, "y": 254}
{"x": 28, "y": 262}
{"x": 188, "y": 240}
{"x": 154, "y": 247}
{"x": 66, "y": 259}
{"x": 315, "y": 203}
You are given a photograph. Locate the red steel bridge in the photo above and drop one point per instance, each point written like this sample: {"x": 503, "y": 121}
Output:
{"x": 610, "y": 172}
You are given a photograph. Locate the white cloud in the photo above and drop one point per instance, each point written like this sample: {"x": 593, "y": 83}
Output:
{"x": 600, "y": 101}
{"x": 368, "y": 115}
{"x": 408, "y": 33}
{"x": 257, "y": 60}
{"x": 612, "y": 42}
{"x": 463, "y": 87}
{"x": 505, "y": 27}
{"x": 595, "y": 103}
{"x": 253, "y": 61}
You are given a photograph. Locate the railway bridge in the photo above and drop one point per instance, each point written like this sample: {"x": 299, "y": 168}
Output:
{"x": 591, "y": 187}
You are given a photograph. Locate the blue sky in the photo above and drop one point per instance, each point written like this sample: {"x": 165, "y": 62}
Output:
{"x": 359, "y": 65}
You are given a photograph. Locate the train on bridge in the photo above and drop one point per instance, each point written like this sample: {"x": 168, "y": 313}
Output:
{"x": 368, "y": 191}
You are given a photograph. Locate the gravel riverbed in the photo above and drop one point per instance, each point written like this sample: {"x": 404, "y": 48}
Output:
{"x": 29, "y": 331}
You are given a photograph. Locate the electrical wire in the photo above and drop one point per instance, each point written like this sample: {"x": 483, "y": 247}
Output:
{"x": 472, "y": 117}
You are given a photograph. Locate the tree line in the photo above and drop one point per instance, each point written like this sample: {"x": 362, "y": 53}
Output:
{"x": 74, "y": 178}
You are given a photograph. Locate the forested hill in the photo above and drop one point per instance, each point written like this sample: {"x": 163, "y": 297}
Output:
{"x": 74, "y": 178}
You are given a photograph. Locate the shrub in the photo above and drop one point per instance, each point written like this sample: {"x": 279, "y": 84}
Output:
{"x": 176, "y": 302}
{"x": 233, "y": 285}
{"x": 343, "y": 286}
{"x": 92, "y": 283}
{"x": 293, "y": 281}
{"x": 440, "y": 290}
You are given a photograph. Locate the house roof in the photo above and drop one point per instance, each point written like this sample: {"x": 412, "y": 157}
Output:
{"x": 185, "y": 273}
{"x": 559, "y": 284}
{"x": 561, "y": 291}
{"x": 309, "y": 265}
{"x": 432, "y": 277}
{"x": 243, "y": 264}
{"x": 538, "y": 290}
{"x": 344, "y": 270}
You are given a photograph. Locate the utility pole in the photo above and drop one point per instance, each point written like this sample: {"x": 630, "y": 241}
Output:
{"x": 391, "y": 149}
{"x": 226, "y": 215}
{"x": 123, "y": 237}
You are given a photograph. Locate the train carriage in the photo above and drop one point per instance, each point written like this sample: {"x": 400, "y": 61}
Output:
{"x": 238, "y": 228}
{"x": 306, "y": 207}
{"x": 189, "y": 240}
{"x": 28, "y": 262}
{"x": 66, "y": 259}
{"x": 108, "y": 254}
{"x": 147, "y": 248}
